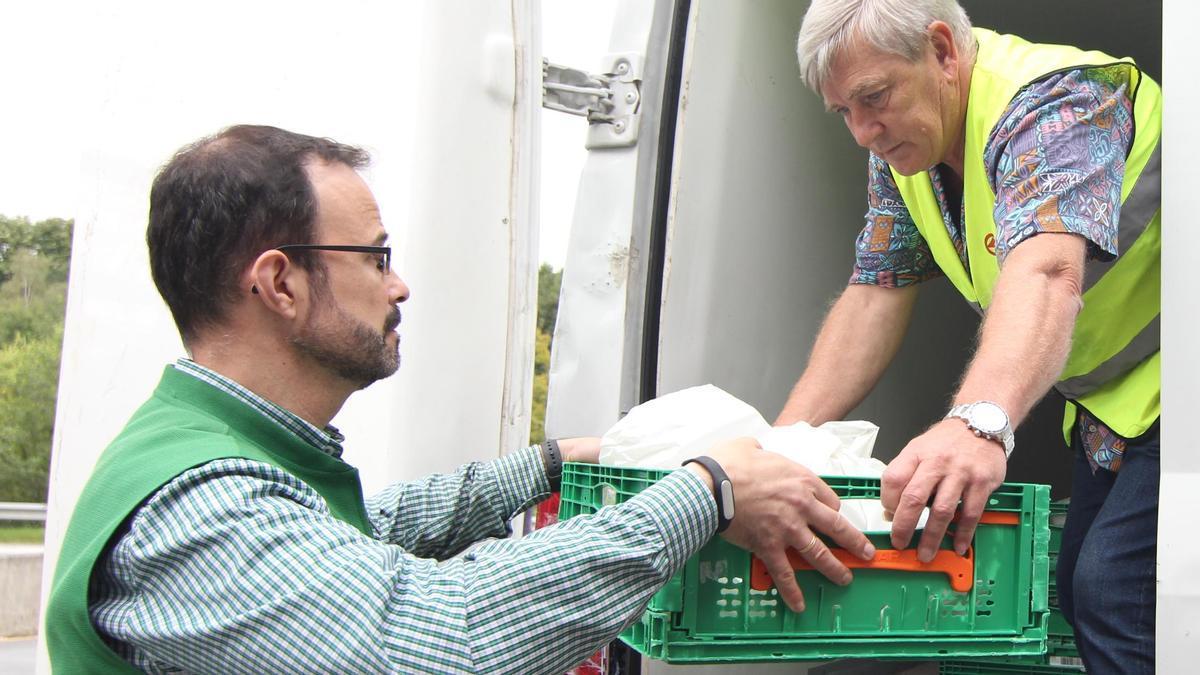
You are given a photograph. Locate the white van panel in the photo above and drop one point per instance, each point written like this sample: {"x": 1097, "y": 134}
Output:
{"x": 465, "y": 384}
{"x": 443, "y": 92}
{"x": 1179, "y": 499}
{"x": 596, "y": 354}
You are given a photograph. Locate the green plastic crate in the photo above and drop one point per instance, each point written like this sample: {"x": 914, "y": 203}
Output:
{"x": 1062, "y": 656}
{"x": 1060, "y": 637}
{"x": 1000, "y": 668}
{"x": 708, "y": 612}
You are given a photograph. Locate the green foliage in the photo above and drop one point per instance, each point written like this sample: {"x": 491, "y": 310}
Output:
{"x": 48, "y": 239}
{"x": 28, "y": 389}
{"x": 549, "y": 282}
{"x": 28, "y": 533}
{"x": 541, "y": 385}
{"x": 34, "y": 261}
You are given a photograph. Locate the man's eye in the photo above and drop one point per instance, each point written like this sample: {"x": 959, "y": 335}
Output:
{"x": 874, "y": 97}
{"x": 381, "y": 263}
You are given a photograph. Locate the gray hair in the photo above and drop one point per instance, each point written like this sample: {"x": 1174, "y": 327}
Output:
{"x": 890, "y": 26}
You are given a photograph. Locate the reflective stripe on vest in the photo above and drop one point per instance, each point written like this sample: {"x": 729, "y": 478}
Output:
{"x": 1116, "y": 334}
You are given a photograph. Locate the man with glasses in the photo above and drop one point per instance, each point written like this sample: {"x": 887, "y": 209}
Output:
{"x": 221, "y": 532}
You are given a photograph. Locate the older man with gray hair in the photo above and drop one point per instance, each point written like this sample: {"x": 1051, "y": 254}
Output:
{"x": 1012, "y": 169}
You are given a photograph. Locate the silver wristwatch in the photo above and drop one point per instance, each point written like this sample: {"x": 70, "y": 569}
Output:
{"x": 987, "y": 420}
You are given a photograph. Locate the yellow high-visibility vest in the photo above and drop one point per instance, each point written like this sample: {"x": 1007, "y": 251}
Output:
{"x": 1113, "y": 370}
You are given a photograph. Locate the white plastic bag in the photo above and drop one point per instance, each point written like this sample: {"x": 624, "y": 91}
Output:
{"x": 663, "y": 432}
{"x": 832, "y": 449}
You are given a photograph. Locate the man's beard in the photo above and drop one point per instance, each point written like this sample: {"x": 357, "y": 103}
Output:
{"x": 349, "y": 348}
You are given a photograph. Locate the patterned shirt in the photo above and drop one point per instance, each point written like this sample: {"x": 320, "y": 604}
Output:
{"x": 237, "y": 566}
{"x": 1056, "y": 161}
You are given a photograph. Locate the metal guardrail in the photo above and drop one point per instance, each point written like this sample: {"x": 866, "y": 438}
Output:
{"x": 22, "y": 511}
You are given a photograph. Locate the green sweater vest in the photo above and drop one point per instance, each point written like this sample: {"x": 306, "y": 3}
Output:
{"x": 186, "y": 423}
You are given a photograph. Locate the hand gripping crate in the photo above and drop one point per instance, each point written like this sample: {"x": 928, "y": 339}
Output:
{"x": 719, "y": 609}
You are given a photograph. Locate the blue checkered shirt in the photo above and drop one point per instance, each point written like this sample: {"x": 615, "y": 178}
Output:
{"x": 439, "y": 588}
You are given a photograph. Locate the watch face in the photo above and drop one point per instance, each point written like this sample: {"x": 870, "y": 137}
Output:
{"x": 988, "y": 418}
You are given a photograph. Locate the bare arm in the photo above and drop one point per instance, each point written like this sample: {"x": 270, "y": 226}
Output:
{"x": 1026, "y": 335}
{"x": 856, "y": 343}
{"x": 1023, "y": 346}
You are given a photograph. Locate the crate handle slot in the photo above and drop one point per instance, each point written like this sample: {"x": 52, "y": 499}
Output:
{"x": 960, "y": 570}
{"x": 995, "y": 518}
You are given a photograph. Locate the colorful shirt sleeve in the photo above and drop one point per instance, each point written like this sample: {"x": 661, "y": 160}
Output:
{"x": 1057, "y": 157}
{"x": 237, "y": 566}
{"x": 889, "y": 252}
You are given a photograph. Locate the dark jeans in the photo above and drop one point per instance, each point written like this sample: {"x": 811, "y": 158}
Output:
{"x": 1106, "y": 566}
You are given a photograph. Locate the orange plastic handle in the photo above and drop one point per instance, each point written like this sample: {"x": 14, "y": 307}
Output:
{"x": 998, "y": 518}
{"x": 960, "y": 569}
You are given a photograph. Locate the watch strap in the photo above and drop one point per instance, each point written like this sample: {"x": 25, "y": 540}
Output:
{"x": 722, "y": 489}
{"x": 552, "y": 458}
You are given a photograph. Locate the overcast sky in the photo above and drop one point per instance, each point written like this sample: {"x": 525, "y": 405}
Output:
{"x": 46, "y": 45}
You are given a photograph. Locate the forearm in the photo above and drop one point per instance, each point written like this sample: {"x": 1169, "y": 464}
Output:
{"x": 441, "y": 515}
{"x": 292, "y": 589}
{"x": 856, "y": 343}
{"x": 1026, "y": 335}
{"x": 593, "y": 575}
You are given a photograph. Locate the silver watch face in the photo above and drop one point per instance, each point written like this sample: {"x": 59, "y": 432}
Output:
{"x": 988, "y": 418}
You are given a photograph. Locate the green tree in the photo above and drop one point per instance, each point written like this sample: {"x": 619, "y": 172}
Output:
{"x": 28, "y": 390}
{"x": 49, "y": 239}
{"x": 33, "y": 297}
{"x": 34, "y": 263}
{"x": 549, "y": 282}
{"x": 541, "y": 385}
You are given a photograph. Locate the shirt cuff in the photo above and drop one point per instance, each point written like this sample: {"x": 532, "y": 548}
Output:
{"x": 521, "y": 479}
{"x": 683, "y": 509}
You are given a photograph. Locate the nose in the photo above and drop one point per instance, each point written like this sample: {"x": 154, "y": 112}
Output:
{"x": 398, "y": 290}
{"x": 865, "y": 129}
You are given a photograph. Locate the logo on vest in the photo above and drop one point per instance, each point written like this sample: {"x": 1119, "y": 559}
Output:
{"x": 989, "y": 242}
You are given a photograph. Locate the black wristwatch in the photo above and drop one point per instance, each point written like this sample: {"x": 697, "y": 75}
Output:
{"x": 552, "y": 458}
{"x": 722, "y": 489}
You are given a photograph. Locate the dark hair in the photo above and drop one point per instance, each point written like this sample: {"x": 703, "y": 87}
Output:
{"x": 222, "y": 201}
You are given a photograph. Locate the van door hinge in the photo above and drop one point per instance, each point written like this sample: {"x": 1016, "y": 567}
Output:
{"x": 611, "y": 101}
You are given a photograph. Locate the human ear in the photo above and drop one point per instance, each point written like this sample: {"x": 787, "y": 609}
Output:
{"x": 941, "y": 39}
{"x": 273, "y": 281}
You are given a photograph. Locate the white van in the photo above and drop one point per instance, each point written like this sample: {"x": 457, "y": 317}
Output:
{"x": 713, "y": 224}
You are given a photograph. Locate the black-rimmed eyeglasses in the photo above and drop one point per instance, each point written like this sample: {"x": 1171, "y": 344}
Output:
{"x": 385, "y": 251}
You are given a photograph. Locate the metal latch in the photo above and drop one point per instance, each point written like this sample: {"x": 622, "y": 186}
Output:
{"x": 611, "y": 101}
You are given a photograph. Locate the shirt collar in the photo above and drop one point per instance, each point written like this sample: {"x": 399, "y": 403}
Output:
{"x": 328, "y": 440}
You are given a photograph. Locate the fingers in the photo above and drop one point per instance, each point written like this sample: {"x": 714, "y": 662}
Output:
{"x": 822, "y": 560}
{"x": 945, "y": 505}
{"x": 843, "y": 533}
{"x": 785, "y": 578}
{"x": 824, "y": 493}
{"x": 895, "y": 478}
{"x": 581, "y": 449}
{"x": 973, "y": 502}
{"x": 908, "y": 507}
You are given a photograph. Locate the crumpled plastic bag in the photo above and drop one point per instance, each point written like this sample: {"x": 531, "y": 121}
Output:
{"x": 832, "y": 449}
{"x": 663, "y": 432}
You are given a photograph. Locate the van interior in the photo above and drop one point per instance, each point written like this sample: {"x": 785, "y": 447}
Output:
{"x": 769, "y": 196}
